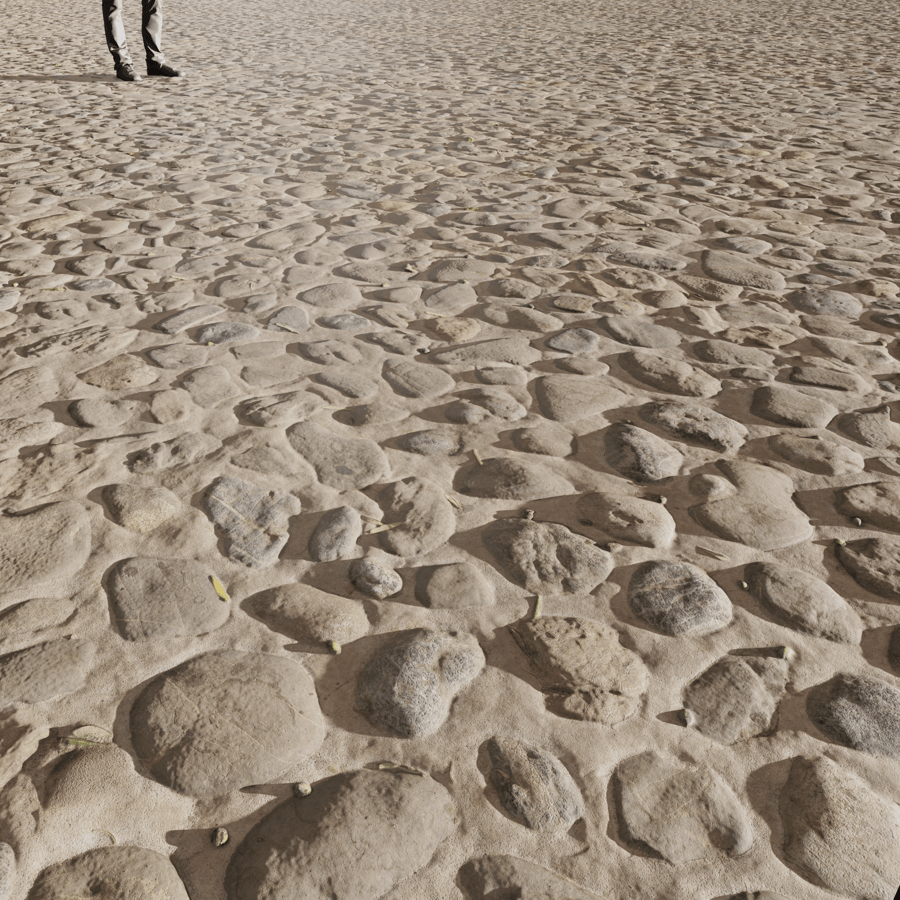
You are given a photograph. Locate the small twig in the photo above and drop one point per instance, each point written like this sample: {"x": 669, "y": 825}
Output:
{"x": 537, "y": 608}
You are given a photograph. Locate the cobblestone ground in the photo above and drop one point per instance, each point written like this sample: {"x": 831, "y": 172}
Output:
{"x": 451, "y": 451}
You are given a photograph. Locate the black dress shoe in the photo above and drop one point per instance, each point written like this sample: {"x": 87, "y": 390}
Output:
{"x": 126, "y": 72}
{"x": 164, "y": 69}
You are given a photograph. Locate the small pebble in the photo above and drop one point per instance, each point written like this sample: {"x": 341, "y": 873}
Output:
{"x": 220, "y": 837}
{"x": 302, "y": 789}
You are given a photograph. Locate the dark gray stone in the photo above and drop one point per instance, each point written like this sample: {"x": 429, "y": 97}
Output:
{"x": 639, "y": 455}
{"x": 374, "y": 580}
{"x": 341, "y": 463}
{"x": 546, "y": 558}
{"x": 678, "y": 599}
{"x": 335, "y": 534}
{"x": 696, "y": 423}
{"x": 736, "y": 698}
{"x": 859, "y": 712}
{"x": 582, "y": 668}
{"x": 111, "y": 873}
{"x": 453, "y": 586}
{"x": 45, "y": 671}
{"x": 354, "y": 837}
{"x": 253, "y": 521}
{"x": 534, "y": 787}
{"x": 804, "y": 602}
{"x": 680, "y": 814}
{"x": 204, "y": 728}
{"x": 824, "y": 806}
{"x": 407, "y": 686}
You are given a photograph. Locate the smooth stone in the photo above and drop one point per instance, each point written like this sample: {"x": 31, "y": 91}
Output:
{"x": 859, "y": 712}
{"x": 158, "y": 599}
{"x": 628, "y": 518}
{"x": 187, "y": 318}
{"x": 453, "y": 586}
{"x": 409, "y": 684}
{"x": 341, "y": 463}
{"x": 331, "y": 353}
{"x": 265, "y": 460}
{"x": 335, "y": 534}
{"x": 210, "y": 386}
{"x": 819, "y": 301}
{"x": 119, "y": 373}
{"x": 821, "y": 457}
{"x": 501, "y": 478}
{"x": 678, "y": 599}
{"x": 640, "y": 332}
{"x": 824, "y": 806}
{"x": 533, "y": 786}
{"x": 855, "y": 353}
{"x": 45, "y": 671}
{"x": 184, "y": 722}
{"x": 546, "y": 558}
{"x": 432, "y": 442}
{"x": 451, "y": 299}
{"x": 574, "y": 340}
{"x": 34, "y": 615}
{"x": 735, "y": 270}
{"x": 374, "y": 580}
{"x": 514, "y": 351}
{"x": 759, "y": 510}
{"x": 460, "y": 270}
{"x": 481, "y": 404}
{"x": 139, "y": 509}
{"x": 291, "y": 319}
{"x": 696, "y": 423}
{"x": 804, "y": 602}
{"x": 253, "y": 521}
{"x": 345, "y": 322}
{"x": 737, "y": 697}
{"x": 410, "y": 379}
{"x": 876, "y": 503}
{"x": 874, "y": 564}
{"x": 669, "y": 375}
{"x": 102, "y": 413}
{"x": 725, "y": 353}
{"x": 337, "y": 297}
{"x": 831, "y": 379}
{"x": 167, "y": 407}
{"x": 639, "y": 455}
{"x": 35, "y": 428}
{"x": 545, "y": 439}
{"x": 310, "y": 616}
{"x": 290, "y": 238}
{"x": 354, "y": 837}
{"x": 681, "y": 813}
{"x": 111, "y": 873}
{"x": 223, "y": 332}
{"x": 583, "y": 670}
{"x": 178, "y": 356}
{"x": 50, "y": 544}
{"x": 427, "y": 520}
{"x": 179, "y": 451}
{"x": 789, "y": 407}
{"x": 567, "y": 398}
{"x": 356, "y": 387}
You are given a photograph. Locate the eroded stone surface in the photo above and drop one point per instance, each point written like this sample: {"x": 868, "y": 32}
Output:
{"x": 874, "y": 564}
{"x": 426, "y": 518}
{"x": 388, "y": 823}
{"x": 453, "y": 586}
{"x": 737, "y": 697}
{"x": 824, "y": 806}
{"x": 45, "y": 671}
{"x": 545, "y": 557}
{"x": 500, "y": 876}
{"x": 534, "y": 787}
{"x": 679, "y": 813}
{"x": 628, "y": 518}
{"x": 407, "y": 686}
{"x": 503, "y": 478}
{"x": 335, "y": 534}
{"x": 204, "y": 728}
{"x": 340, "y": 462}
{"x": 584, "y": 671}
{"x": 639, "y": 455}
{"x": 696, "y": 423}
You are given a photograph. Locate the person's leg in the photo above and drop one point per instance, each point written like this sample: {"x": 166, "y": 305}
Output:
{"x": 151, "y": 31}
{"x": 115, "y": 32}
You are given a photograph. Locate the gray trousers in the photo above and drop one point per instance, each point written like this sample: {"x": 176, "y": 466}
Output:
{"x": 151, "y": 31}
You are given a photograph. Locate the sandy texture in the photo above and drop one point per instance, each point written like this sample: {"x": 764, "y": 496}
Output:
{"x": 414, "y": 381}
